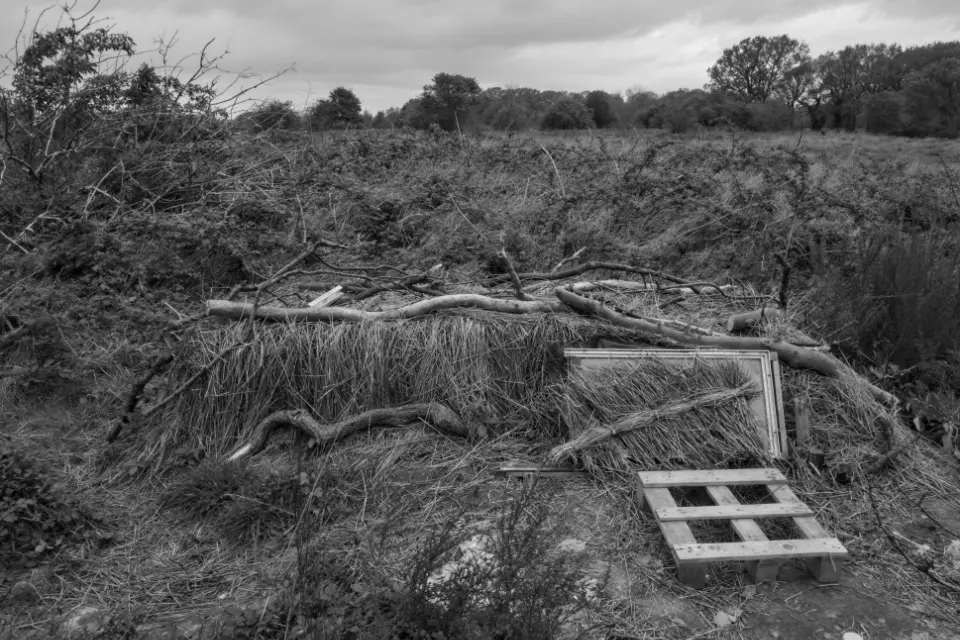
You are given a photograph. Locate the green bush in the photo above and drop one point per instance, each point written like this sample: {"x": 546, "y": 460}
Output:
{"x": 35, "y": 517}
{"x": 568, "y": 113}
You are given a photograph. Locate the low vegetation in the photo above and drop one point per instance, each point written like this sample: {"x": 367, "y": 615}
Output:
{"x": 129, "y": 197}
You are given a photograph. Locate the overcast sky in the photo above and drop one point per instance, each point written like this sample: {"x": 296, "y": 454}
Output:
{"x": 386, "y": 50}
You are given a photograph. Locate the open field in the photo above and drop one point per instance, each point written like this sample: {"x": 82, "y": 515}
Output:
{"x": 157, "y": 535}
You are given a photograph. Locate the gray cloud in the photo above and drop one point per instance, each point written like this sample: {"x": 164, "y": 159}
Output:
{"x": 390, "y": 49}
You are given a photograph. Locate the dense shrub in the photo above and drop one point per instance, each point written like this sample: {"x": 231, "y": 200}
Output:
{"x": 898, "y": 296}
{"x": 568, "y": 113}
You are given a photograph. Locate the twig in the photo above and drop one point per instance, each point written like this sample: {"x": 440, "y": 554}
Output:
{"x": 134, "y": 397}
{"x": 161, "y": 403}
{"x": 784, "y": 280}
{"x": 882, "y": 463}
{"x": 568, "y": 259}
{"x": 896, "y": 545}
{"x": 13, "y": 242}
{"x": 953, "y": 187}
{"x": 559, "y": 179}
{"x": 286, "y": 270}
{"x": 514, "y": 278}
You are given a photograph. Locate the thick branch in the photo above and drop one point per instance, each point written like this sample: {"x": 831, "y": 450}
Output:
{"x": 437, "y": 415}
{"x": 743, "y": 321}
{"x": 797, "y": 357}
{"x": 239, "y": 310}
{"x": 588, "y": 266}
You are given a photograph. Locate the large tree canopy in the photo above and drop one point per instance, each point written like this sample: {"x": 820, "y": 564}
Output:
{"x": 447, "y": 97}
{"x": 754, "y": 70}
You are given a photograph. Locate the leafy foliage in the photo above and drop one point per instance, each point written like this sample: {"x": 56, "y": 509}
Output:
{"x": 755, "y": 69}
{"x": 35, "y": 517}
{"x": 272, "y": 114}
{"x": 340, "y": 111}
{"x": 568, "y": 113}
{"x": 447, "y": 98}
{"x": 599, "y": 104}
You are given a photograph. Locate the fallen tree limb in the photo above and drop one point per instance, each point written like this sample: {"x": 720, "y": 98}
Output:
{"x": 743, "y": 321}
{"x": 630, "y": 285}
{"x": 436, "y": 415}
{"x": 797, "y": 357}
{"x": 240, "y": 310}
{"x": 647, "y": 418}
{"x": 583, "y": 268}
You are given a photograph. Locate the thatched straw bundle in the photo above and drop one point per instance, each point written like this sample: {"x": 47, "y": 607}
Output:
{"x": 665, "y": 416}
{"x": 488, "y": 367}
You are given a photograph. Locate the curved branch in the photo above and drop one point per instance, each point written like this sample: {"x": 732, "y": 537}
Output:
{"x": 437, "y": 415}
{"x": 240, "y": 310}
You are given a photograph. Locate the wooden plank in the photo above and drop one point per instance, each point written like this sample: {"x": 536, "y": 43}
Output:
{"x": 778, "y": 401}
{"x": 749, "y": 531}
{"x": 728, "y": 477}
{"x": 808, "y": 525}
{"x": 676, "y": 533}
{"x": 692, "y": 574}
{"x": 734, "y": 511}
{"x": 328, "y": 298}
{"x": 722, "y": 551}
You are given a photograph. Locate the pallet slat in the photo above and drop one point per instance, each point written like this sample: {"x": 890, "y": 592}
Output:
{"x": 722, "y": 551}
{"x": 807, "y": 525}
{"x": 734, "y": 512}
{"x": 725, "y": 477}
{"x": 749, "y": 531}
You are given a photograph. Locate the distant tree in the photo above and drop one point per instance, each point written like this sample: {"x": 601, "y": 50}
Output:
{"x": 599, "y": 103}
{"x": 447, "y": 99}
{"x": 753, "y": 70}
{"x": 937, "y": 87}
{"x": 845, "y": 77}
{"x": 339, "y": 111}
{"x": 272, "y": 114}
{"x": 568, "y": 113}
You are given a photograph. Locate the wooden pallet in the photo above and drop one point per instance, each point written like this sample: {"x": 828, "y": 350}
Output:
{"x": 822, "y": 553}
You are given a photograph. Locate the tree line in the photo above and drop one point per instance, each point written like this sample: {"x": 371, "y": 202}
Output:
{"x": 761, "y": 84}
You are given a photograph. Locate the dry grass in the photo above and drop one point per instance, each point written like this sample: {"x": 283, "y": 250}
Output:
{"x": 703, "y": 438}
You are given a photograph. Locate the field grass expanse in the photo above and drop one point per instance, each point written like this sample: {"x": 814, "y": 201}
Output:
{"x": 156, "y": 536}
